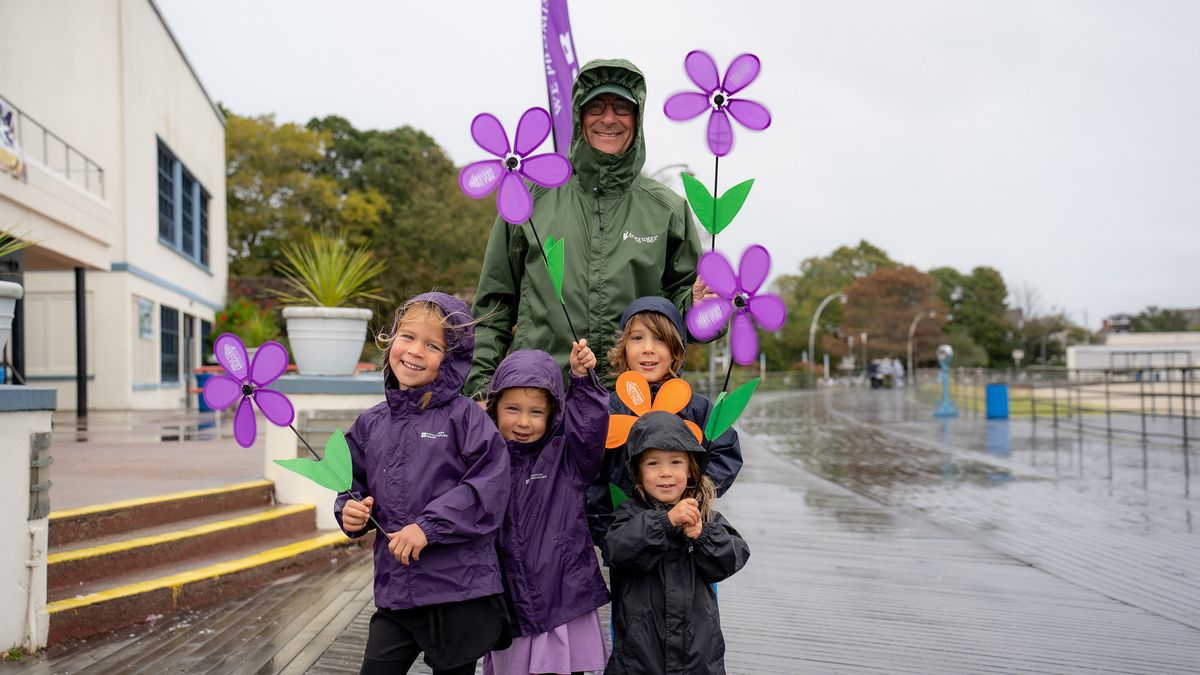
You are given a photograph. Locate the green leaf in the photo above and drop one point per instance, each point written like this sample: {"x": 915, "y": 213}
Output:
{"x": 699, "y": 199}
{"x": 728, "y": 409}
{"x": 730, "y": 203}
{"x": 333, "y": 472}
{"x": 617, "y": 494}
{"x": 554, "y": 263}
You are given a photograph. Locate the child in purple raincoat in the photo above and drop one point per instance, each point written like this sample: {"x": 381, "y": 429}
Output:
{"x": 433, "y": 471}
{"x": 556, "y": 445}
{"x": 653, "y": 342}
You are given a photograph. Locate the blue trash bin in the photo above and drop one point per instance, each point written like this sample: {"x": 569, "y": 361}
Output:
{"x": 201, "y": 378}
{"x": 997, "y": 401}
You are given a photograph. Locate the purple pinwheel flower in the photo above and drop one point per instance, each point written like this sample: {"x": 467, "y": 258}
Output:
{"x": 716, "y": 96}
{"x": 480, "y": 179}
{"x": 248, "y": 381}
{"x": 739, "y": 296}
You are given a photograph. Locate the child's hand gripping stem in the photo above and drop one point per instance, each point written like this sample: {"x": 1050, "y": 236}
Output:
{"x": 582, "y": 358}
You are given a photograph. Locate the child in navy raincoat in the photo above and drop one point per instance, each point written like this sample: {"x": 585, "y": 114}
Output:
{"x": 653, "y": 342}
{"x": 556, "y": 446}
{"x": 667, "y": 546}
{"x": 434, "y": 473}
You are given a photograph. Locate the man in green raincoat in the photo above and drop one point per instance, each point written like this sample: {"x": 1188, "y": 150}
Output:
{"x": 625, "y": 236}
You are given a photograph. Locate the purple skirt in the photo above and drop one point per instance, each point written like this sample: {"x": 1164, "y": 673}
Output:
{"x": 577, "y": 645}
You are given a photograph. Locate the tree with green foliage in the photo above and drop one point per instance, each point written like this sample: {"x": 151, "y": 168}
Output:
{"x": 977, "y": 303}
{"x": 1157, "y": 320}
{"x": 818, "y": 277}
{"x": 276, "y": 192}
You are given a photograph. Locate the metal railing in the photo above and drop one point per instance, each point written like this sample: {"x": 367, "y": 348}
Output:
{"x": 52, "y": 152}
{"x": 1150, "y": 402}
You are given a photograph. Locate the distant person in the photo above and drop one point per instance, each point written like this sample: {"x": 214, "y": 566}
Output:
{"x": 667, "y": 547}
{"x": 556, "y": 445}
{"x": 626, "y": 236}
{"x": 439, "y": 495}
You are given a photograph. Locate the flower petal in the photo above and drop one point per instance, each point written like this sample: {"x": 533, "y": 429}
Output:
{"x": 513, "y": 200}
{"x": 244, "y": 424}
{"x": 270, "y": 361}
{"x": 685, "y": 105}
{"x": 750, "y": 114}
{"x": 478, "y": 180}
{"x": 706, "y": 319}
{"x": 549, "y": 170}
{"x": 231, "y": 354}
{"x": 714, "y": 269}
{"x": 220, "y": 391}
{"x": 753, "y": 268}
{"x": 673, "y": 396}
{"x": 532, "y": 130}
{"x": 768, "y": 311}
{"x": 489, "y": 133}
{"x": 741, "y": 73}
{"x": 702, "y": 70}
{"x": 275, "y": 407}
{"x": 743, "y": 340}
{"x": 720, "y": 133}
{"x": 618, "y": 430}
{"x": 634, "y": 391}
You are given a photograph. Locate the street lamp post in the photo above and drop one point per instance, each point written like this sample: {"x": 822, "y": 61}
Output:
{"x": 864, "y": 346}
{"x": 912, "y": 329}
{"x": 812, "y": 333}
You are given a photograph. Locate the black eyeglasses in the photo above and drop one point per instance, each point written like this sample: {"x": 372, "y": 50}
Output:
{"x": 621, "y": 107}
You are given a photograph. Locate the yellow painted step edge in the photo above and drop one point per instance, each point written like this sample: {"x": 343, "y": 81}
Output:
{"x": 198, "y": 531}
{"x": 142, "y": 501}
{"x": 177, "y": 581}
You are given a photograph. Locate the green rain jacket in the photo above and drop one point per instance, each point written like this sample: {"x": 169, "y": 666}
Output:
{"x": 625, "y": 236}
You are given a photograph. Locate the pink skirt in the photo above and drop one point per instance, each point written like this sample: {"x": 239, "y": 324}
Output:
{"x": 575, "y": 646}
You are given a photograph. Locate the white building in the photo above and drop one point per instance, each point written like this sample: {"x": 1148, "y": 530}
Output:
{"x": 1145, "y": 351}
{"x": 125, "y": 180}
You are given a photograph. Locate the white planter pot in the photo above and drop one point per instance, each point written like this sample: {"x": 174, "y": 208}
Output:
{"x": 10, "y": 293}
{"x": 326, "y": 340}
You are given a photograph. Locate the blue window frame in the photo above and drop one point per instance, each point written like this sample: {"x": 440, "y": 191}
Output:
{"x": 182, "y": 208}
{"x": 169, "y": 352}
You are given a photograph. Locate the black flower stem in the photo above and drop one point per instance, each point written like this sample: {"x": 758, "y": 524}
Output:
{"x": 537, "y": 239}
{"x": 727, "y": 373}
{"x": 716, "y": 173}
{"x": 348, "y": 492}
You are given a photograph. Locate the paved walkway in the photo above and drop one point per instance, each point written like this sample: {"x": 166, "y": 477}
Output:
{"x": 881, "y": 541}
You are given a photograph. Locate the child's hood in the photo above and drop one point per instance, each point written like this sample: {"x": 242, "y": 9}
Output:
{"x": 531, "y": 368}
{"x": 655, "y": 303}
{"x": 457, "y": 362}
{"x": 659, "y": 430}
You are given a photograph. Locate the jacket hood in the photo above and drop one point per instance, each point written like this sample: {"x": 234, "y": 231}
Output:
{"x": 591, "y": 167}
{"x": 659, "y": 430}
{"x": 532, "y": 368}
{"x": 456, "y": 364}
{"x": 654, "y": 303}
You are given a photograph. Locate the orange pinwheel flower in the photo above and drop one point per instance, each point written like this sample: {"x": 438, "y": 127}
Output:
{"x": 634, "y": 392}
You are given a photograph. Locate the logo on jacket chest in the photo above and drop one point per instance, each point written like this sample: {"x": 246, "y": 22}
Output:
{"x": 433, "y": 434}
{"x": 641, "y": 240}
{"x": 535, "y": 476}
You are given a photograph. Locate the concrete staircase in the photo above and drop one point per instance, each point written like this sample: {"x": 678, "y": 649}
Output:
{"x": 115, "y": 565}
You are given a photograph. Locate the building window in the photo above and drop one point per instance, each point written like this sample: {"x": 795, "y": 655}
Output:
{"x": 169, "y": 331}
{"x": 182, "y": 208}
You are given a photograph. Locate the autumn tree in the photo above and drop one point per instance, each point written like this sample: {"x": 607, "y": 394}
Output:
{"x": 882, "y": 305}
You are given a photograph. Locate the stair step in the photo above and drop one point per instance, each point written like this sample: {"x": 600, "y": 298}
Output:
{"x": 99, "y": 611}
{"x": 70, "y": 569}
{"x": 103, "y": 520}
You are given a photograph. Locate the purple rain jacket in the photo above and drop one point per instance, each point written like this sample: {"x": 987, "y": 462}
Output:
{"x": 441, "y": 465}
{"x": 550, "y": 566}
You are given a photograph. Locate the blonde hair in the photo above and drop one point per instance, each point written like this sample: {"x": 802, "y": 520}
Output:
{"x": 700, "y": 487}
{"x": 660, "y": 327}
{"x": 453, "y": 332}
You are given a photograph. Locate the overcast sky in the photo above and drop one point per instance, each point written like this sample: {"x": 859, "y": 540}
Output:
{"x": 1055, "y": 141}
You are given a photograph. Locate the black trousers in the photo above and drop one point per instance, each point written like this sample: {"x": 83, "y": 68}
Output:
{"x": 453, "y": 636}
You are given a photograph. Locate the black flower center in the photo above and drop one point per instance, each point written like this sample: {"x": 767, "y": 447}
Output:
{"x": 719, "y": 99}
{"x": 739, "y": 300}
{"x": 247, "y": 389}
{"x": 512, "y": 162}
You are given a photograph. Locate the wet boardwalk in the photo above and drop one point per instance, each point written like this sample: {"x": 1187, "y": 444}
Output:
{"x": 881, "y": 541}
